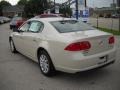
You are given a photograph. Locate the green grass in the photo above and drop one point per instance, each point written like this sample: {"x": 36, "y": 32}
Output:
{"x": 115, "y": 32}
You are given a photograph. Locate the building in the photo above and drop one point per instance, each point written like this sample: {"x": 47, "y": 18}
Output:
{"x": 106, "y": 11}
{"x": 11, "y": 11}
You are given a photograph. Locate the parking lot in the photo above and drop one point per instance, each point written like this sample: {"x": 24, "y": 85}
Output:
{"x": 17, "y": 72}
{"x": 103, "y": 22}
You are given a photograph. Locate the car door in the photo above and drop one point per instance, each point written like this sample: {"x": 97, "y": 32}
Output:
{"x": 32, "y": 38}
{"x": 18, "y": 37}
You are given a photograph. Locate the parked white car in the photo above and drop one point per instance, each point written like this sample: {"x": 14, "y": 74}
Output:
{"x": 1, "y": 20}
{"x": 63, "y": 44}
{"x": 4, "y": 19}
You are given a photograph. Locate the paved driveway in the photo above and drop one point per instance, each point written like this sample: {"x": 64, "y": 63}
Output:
{"x": 20, "y": 73}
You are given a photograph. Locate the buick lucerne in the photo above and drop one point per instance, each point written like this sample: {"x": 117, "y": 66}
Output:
{"x": 63, "y": 44}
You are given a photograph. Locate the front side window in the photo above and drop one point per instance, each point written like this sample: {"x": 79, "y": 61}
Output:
{"x": 35, "y": 26}
{"x": 25, "y": 27}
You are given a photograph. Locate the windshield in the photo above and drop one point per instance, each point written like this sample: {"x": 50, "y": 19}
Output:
{"x": 65, "y": 26}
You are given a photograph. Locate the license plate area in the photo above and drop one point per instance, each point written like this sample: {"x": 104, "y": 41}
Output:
{"x": 103, "y": 59}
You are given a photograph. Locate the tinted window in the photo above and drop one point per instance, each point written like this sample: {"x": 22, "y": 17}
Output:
{"x": 25, "y": 27}
{"x": 70, "y": 26}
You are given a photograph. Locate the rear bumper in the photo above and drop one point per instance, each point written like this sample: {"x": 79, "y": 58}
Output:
{"x": 75, "y": 64}
{"x": 112, "y": 62}
{"x": 91, "y": 67}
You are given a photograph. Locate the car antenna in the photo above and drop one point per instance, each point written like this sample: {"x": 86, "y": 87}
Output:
{"x": 63, "y": 20}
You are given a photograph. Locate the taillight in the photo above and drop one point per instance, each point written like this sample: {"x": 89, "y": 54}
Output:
{"x": 111, "y": 40}
{"x": 79, "y": 46}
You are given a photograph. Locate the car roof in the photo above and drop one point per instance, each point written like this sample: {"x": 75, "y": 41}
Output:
{"x": 49, "y": 14}
{"x": 52, "y": 19}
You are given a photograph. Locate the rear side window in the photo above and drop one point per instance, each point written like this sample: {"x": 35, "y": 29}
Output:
{"x": 65, "y": 26}
{"x": 35, "y": 26}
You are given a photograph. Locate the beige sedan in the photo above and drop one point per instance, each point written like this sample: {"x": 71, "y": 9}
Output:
{"x": 63, "y": 44}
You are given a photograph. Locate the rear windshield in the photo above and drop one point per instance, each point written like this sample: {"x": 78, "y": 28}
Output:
{"x": 65, "y": 26}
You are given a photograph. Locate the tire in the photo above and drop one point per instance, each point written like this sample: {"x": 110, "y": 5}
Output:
{"x": 45, "y": 64}
{"x": 12, "y": 46}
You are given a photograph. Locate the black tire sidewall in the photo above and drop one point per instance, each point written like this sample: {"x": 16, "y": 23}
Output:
{"x": 51, "y": 71}
{"x": 14, "y": 50}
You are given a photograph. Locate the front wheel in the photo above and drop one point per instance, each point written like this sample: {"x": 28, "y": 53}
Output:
{"x": 45, "y": 63}
{"x": 12, "y": 46}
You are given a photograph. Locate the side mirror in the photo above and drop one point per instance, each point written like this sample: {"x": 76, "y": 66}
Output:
{"x": 15, "y": 30}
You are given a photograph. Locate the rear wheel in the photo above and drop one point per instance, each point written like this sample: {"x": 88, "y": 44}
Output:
{"x": 12, "y": 46}
{"x": 45, "y": 63}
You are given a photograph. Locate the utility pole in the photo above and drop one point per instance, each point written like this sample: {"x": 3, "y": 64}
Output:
{"x": 69, "y": 8}
{"x": 54, "y": 5}
{"x": 76, "y": 9}
{"x": 69, "y": 3}
{"x": 85, "y": 3}
{"x": 118, "y": 7}
{"x": 114, "y": 12}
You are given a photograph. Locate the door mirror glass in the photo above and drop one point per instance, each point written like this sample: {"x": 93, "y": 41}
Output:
{"x": 15, "y": 30}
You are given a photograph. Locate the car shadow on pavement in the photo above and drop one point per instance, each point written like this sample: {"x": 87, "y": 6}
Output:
{"x": 91, "y": 77}
{"x": 86, "y": 75}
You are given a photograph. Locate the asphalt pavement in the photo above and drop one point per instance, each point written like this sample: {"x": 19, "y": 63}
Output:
{"x": 18, "y": 72}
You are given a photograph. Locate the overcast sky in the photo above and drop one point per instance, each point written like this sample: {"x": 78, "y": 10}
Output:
{"x": 91, "y": 3}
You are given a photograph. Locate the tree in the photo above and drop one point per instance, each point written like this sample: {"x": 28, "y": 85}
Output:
{"x": 22, "y": 2}
{"x": 34, "y": 7}
{"x": 66, "y": 11}
{"x": 0, "y": 10}
{"x": 3, "y": 4}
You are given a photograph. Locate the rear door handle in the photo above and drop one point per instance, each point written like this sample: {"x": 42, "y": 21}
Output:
{"x": 34, "y": 40}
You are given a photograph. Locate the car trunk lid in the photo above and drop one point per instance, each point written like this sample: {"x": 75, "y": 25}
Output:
{"x": 99, "y": 40}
